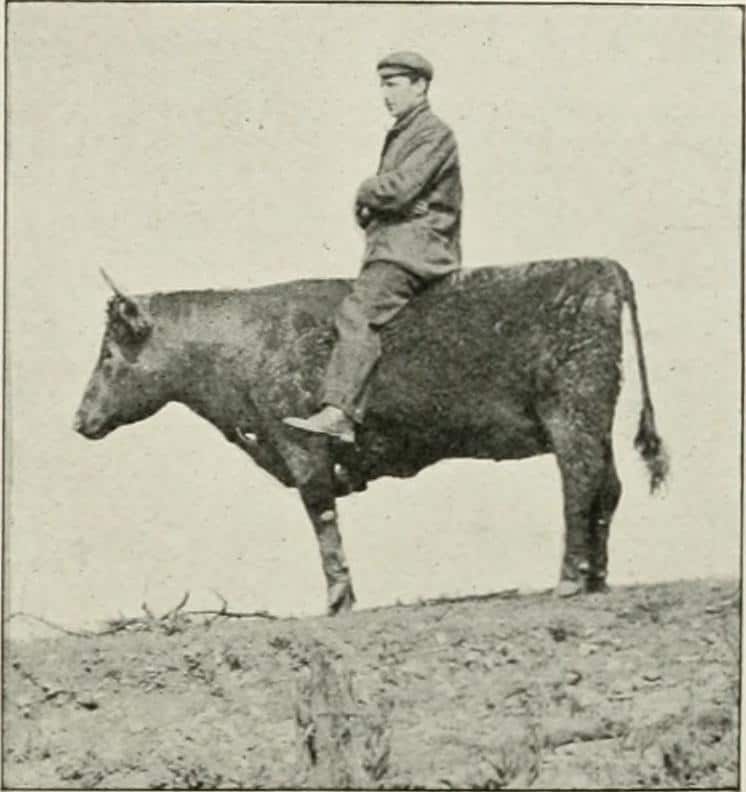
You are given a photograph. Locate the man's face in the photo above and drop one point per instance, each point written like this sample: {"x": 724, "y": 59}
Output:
{"x": 401, "y": 93}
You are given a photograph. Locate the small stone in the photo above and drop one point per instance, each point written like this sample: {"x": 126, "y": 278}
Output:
{"x": 558, "y": 633}
{"x": 573, "y": 677}
{"x": 472, "y": 659}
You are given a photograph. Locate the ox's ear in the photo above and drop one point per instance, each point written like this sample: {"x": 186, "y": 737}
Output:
{"x": 128, "y": 321}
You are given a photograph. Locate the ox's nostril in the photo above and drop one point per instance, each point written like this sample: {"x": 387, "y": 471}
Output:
{"x": 77, "y": 422}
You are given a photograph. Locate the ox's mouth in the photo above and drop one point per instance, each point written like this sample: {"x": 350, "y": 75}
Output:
{"x": 91, "y": 430}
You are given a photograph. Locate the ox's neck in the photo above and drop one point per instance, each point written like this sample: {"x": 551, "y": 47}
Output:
{"x": 209, "y": 340}
{"x": 203, "y": 316}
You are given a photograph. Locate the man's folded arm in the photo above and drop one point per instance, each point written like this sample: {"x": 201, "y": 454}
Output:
{"x": 394, "y": 190}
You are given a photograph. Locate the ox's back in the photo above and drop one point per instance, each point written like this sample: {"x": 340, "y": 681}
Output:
{"x": 519, "y": 296}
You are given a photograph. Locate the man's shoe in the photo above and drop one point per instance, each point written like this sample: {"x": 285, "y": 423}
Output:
{"x": 329, "y": 421}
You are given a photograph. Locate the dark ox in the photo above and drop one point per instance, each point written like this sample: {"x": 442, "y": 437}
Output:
{"x": 492, "y": 363}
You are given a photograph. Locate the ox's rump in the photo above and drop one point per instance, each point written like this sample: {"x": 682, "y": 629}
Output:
{"x": 494, "y": 339}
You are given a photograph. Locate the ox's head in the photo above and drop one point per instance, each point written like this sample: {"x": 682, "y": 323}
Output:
{"x": 127, "y": 383}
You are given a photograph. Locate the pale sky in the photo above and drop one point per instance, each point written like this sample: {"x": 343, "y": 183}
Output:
{"x": 205, "y": 146}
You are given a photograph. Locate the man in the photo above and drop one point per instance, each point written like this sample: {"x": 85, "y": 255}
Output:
{"x": 411, "y": 213}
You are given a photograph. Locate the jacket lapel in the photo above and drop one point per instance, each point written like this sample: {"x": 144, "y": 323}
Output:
{"x": 402, "y": 123}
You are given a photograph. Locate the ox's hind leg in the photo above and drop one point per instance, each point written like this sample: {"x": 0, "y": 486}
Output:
{"x": 318, "y": 498}
{"x": 603, "y": 510}
{"x": 580, "y": 458}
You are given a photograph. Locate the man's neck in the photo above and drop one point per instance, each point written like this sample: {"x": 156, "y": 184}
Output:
{"x": 410, "y": 112}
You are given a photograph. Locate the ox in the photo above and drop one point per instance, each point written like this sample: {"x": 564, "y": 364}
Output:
{"x": 491, "y": 363}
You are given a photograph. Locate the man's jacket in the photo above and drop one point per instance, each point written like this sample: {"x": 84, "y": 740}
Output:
{"x": 415, "y": 199}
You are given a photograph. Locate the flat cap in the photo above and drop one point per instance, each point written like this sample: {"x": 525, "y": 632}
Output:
{"x": 405, "y": 63}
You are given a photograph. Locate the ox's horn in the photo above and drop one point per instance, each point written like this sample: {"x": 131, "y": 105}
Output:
{"x": 105, "y": 276}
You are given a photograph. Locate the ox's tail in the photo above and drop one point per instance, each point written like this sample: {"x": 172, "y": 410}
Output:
{"x": 647, "y": 441}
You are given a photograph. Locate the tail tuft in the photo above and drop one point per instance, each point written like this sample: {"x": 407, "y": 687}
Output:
{"x": 651, "y": 448}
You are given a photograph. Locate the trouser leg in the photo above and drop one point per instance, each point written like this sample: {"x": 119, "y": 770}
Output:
{"x": 380, "y": 292}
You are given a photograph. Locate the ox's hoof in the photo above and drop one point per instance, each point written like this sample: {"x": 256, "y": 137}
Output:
{"x": 340, "y": 598}
{"x": 597, "y": 586}
{"x": 568, "y": 588}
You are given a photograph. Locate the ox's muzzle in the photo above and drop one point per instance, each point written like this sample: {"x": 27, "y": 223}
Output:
{"x": 90, "y": 426}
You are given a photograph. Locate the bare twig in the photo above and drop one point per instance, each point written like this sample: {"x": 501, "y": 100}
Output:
{"x": 52, "y": 625}
{"x": 178, "y": 608}
{"x": 505, "y": 594}
{"x": 261, "y": 614}
{"x": 119, "y": 624}
{"x": 123, "y": 622}
{"x": 224, "y": 609}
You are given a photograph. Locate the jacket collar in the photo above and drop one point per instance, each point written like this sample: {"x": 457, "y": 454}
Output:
{"x": 405, "y": 120}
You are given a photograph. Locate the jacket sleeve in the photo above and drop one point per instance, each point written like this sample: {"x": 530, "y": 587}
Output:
{"x": 394, "y": 190}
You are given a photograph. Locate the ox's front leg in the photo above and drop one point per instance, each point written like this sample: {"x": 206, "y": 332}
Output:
{"x": 318, "y": 498}
{"x": 310, "y": 467}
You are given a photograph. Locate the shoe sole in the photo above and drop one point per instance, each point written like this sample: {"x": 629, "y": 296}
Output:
{"x": 305, "y": 427}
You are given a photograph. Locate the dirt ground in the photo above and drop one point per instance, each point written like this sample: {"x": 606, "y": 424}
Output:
{"x": 638, "y": 687}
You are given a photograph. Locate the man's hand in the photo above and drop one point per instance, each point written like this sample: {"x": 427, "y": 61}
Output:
{"x": 363, "y": 215}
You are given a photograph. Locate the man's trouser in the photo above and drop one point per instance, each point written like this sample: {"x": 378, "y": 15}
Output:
{"x": 381, "y": 290}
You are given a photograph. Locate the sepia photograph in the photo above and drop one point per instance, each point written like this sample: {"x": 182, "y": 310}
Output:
{"x": 372, "y": 395}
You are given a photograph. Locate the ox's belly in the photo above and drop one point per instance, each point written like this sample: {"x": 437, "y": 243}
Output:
{"x": 403, "y": 443}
